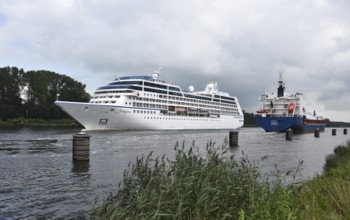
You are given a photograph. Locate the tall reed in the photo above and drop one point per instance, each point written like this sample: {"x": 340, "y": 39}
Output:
{"x": 192, "y": 186}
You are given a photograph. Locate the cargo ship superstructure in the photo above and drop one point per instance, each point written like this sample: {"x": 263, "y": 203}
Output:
{"x": 283, "y": 110}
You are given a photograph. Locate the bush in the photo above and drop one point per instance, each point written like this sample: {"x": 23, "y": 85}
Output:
{"x": 340, "y": 156}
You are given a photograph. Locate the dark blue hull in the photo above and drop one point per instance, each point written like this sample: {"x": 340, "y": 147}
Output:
{"x": 281, "y": 124}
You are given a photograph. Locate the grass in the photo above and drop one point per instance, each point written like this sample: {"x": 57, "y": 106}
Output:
{"x": 327, "y": 196}
{"x": 214, "y": 185}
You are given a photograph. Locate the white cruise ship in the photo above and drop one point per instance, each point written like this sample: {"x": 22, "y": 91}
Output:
{"x": 147, "y": 103}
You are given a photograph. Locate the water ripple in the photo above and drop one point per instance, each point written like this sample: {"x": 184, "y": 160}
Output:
{"x": 39, "y": 180}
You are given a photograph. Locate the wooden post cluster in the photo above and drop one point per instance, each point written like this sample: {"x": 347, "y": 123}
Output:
{"x": 81, "y": 147}
{"x": 233, "y": 138}
{"x": 289, "y": 135}
{"x": 345, "y": 131}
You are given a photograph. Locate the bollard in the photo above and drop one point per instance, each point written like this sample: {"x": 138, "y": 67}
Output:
{"x": 233, "y": 142}
{"x": 289, "y": 135}
{"x": 81, "y": 146}
{"x": 317, "y": 133}
{"x": 334, "y": 132}
{"x": 345, "y": 131}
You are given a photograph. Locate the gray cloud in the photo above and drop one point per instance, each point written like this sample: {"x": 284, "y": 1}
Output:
{"x": 242, "y": 45}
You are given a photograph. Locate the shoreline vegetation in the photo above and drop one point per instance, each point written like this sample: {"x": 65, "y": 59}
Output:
{"x": 39, "y": 123}
{"x": 214, "y": 185}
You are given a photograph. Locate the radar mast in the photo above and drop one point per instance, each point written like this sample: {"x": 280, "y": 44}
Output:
{"x": 280, "y": 89}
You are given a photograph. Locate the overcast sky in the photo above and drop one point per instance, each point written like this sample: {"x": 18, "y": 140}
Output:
{"x": 243, "y": 45}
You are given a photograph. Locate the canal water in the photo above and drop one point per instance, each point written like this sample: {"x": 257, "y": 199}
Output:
{"x": 38, "y": 179}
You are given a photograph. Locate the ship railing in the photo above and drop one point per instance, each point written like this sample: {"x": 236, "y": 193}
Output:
{"x": 273, "y": 114}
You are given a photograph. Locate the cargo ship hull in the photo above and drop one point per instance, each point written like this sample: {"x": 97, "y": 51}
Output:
{"x": 297, "y": 124}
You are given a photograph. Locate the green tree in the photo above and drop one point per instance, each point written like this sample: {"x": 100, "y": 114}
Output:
{"x": 11, "y": 84}
{"x": 42, "y": 89}
{"x": 249, "y": 119}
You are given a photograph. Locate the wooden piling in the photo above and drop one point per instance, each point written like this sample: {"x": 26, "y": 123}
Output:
{"x": 334, "y": 132}
{"x": 233, "y": 138}
{"x": 289, "y": 135}
{"x": 81, "y": 147}
{"x": 317, "y": 133}
{"x": 345, "y": 131}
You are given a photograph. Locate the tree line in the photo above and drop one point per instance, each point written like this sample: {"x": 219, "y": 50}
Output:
{"x": 31, "y": 94}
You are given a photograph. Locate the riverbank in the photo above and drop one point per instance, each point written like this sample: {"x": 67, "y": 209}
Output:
{"x": 39, "y": 123}
{"x": 220, "y": 187}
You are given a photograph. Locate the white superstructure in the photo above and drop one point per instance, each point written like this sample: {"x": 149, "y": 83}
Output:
{"x": 283, "y": 104}
{"x": 147, "y": 103}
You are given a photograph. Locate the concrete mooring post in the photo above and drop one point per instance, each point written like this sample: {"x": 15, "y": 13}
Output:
{"x": 81, "y": 147}
{"x": 345, "y": 131}
{"x": 233, "y": 138}
{"x": 334, "y": 132}
{"x": 317, "y": 133}
{"x": 289, "y": 134}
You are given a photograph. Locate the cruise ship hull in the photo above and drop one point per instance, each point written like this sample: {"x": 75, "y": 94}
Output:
{"x": 297, "y": 124}
{"x": 112, "y": 117}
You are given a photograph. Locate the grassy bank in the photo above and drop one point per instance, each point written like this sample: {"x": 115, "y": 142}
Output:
{"x": 213, "y": 185}
{"x": 22, "y": 122}
{"x": 327, "y": 196}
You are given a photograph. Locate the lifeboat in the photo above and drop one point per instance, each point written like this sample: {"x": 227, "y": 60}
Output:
{"x": 291, "y": 107}
{"x": 180, "y": 109}
{"x": 262, "y": 111}
{"x": 171, "y": 108}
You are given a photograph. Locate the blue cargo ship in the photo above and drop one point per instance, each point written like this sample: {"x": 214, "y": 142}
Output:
{"x": 282, "y": 111}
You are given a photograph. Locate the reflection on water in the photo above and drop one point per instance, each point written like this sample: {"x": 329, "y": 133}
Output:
{"x": 80, "y": 166}
{"x": 40, "y": 180}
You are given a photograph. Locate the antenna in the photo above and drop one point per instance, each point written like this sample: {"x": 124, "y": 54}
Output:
{"x": 156, "y": 73}
{"x": 116, "y": 76}
{"x": 281, "y": 77}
